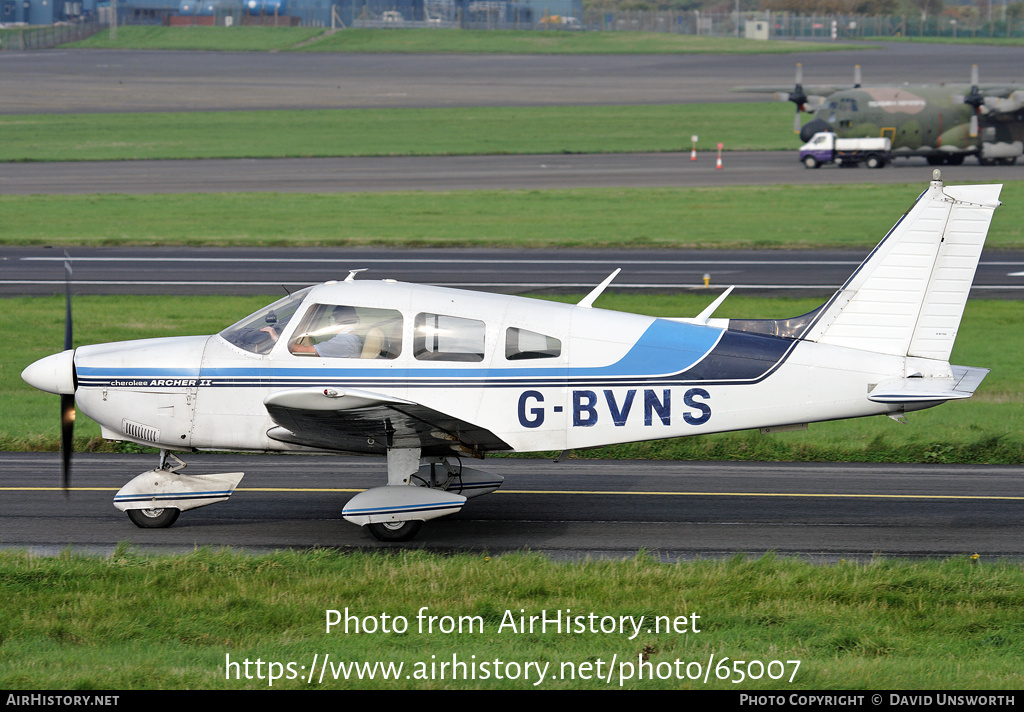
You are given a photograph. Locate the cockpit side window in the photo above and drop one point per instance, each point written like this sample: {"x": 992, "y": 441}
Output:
{"x": 344, "y": 331}
{"x": 525, "y": 344}
{"x": 438, "y": 337}
{"x": 259, "y": 331}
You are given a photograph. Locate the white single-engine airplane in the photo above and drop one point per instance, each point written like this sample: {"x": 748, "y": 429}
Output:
{"x": 427, "y": 375}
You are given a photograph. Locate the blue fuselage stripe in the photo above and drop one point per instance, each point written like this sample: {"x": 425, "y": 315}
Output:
{"x": 670, "y": 353}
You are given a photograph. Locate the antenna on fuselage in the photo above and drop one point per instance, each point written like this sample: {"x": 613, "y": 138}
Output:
{"x": 588, "y": 301}
{"x": 705, "y": 315}
{"x": 353, "y": 272}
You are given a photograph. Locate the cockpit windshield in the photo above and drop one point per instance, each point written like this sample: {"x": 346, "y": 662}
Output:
{"x": 259, "y": 332}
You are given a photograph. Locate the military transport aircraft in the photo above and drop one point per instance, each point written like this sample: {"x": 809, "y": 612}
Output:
{"x": 944, "y": 123}
{"x": 428, "y": 376}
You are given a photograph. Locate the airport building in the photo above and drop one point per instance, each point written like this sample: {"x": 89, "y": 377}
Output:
{"x": 470, "y": 14}
{"x": 44, "y": 12}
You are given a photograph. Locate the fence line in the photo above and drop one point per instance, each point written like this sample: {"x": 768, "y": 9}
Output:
{"x": 46, "y": 36}
{"x": 780, "y": 25}
{"x": 794, "y": 26}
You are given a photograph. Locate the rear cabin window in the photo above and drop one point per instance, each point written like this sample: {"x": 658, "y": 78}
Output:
{"x": 437, "y": 337}
{"x": 343, "y": 331}
{"x": 524, "y": 344}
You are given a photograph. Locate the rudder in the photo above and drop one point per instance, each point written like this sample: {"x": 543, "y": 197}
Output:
{"x": 907, "y": 298}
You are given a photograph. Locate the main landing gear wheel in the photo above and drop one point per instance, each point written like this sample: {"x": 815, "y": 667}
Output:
{"x": 154, "y": 518}
{"x": 395, "y": 531}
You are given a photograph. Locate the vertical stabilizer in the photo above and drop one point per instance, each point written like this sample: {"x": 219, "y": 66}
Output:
{"x": 908, "y": 296}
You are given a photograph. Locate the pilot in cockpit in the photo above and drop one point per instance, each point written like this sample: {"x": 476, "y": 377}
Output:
{"x": 343, "y": 342}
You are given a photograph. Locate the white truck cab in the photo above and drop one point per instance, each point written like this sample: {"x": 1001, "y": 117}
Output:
{"x": 826, "y": 147}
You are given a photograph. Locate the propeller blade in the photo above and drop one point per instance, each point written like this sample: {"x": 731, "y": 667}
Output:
{"x": 67, "y": 301}
{"x": 856, "y": 76}
{"x": 797, "y": 96}
{"x": 67, "y": 434}
{"x": 67, "y": 402}
{"x": 975, "y": 99}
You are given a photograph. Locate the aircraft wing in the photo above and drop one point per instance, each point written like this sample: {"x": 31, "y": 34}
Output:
{"x": 1003, "y": 90}
{"x": 782, "y": 92}
{"x": 359, "y": 421}
{"x": 1000, "y": 100}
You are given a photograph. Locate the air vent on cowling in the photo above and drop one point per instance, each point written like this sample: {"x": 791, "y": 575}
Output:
{"x": 138, "y": 431}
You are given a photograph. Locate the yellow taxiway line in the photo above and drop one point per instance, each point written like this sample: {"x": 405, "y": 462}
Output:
{"x": 579, "y": 492}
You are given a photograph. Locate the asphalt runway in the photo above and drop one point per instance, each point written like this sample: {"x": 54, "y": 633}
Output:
{"x": 58, "y": 81}
{"x": 575, "y": 508}
{"x": 447, "y": 173}
{"x": 272, "y": 271}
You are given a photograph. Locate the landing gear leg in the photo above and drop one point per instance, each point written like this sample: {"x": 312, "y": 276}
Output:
{"x": 158, "y": 517}
{"x": 403, "y": 464}
{"x": 154, "y": 499}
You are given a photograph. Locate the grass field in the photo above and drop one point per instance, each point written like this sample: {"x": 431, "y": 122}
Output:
{"x": 395, "y": 132}
{"x": 79, "y": 623}
{"x": 446, "y": 41}
{"x": 771, "y": 217}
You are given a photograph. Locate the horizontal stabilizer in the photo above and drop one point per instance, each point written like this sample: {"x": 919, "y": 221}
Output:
{"x": 964, "y": 382}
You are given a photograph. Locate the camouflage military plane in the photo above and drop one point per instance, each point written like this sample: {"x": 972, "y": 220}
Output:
{"x": 944, "y": 123}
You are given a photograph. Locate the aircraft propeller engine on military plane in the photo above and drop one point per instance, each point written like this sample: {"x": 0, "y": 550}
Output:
{"x": 427, "y": 376}
{"x": 944, "y": 123}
